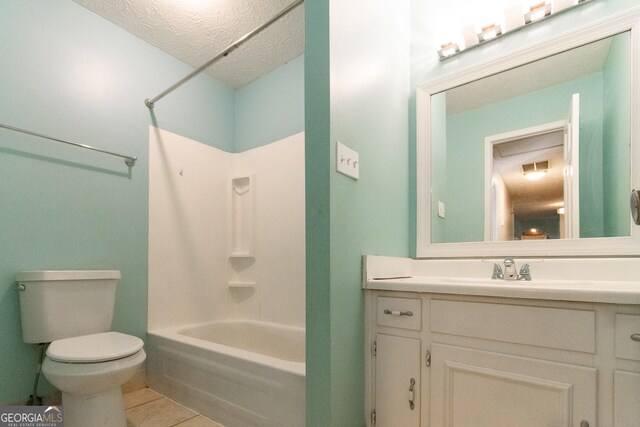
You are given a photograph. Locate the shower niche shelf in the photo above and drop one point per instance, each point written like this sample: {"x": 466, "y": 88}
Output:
{"x": 241, "y": 273}
{"x": 241, "y": 213}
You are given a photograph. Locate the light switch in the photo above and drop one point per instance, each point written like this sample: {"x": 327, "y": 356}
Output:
{"x": 347, "y": 161}
{"x": 441, "y": 209}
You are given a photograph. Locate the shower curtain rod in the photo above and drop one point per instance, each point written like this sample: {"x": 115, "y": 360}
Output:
{"x": 150, "y": 102}
{"x": 129, "y": 160}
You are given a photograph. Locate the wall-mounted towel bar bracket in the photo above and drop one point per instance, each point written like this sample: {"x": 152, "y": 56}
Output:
{"x": 129, "y": 160}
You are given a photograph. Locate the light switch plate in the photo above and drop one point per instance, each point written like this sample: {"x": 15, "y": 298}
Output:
{"x": 347, "y": 161}
{"x": 441, "y": 209}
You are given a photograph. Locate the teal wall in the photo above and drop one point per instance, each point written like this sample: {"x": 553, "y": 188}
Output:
{"x": 319, "y": 351}
{"x": 438, "y": 170}
{"x": 272, "y": 107}
{"x": 357, "y": 88}
{"x": 616, "y": 137}
{"x": 70, "y": 74}
{"x": 466, "y": 132}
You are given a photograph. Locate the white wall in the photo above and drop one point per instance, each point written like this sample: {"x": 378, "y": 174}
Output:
{"x": 279, "y": 268}
{"x": 187, "y": 230}
{"x": 504, "y": 220}
{"x": 189, "y": 199}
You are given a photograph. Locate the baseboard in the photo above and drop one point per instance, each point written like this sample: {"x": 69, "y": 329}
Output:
{"x": 138, "y": 381}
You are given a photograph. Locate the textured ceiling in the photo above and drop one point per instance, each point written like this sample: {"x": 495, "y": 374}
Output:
{"x": 194, "y": 31}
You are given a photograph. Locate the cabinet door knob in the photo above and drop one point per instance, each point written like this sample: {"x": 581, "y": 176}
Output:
{"x": 412, "y": 383}
{"x": 635, "y": 337}
{"x": 584, "y": 423}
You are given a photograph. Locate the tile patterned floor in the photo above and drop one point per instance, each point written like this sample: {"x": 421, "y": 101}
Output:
{"x": 146, "y": 408}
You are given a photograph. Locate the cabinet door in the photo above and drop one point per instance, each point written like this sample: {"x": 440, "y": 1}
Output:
{"x": 626, "y": 399}
{"x": 486, "y": 389}
{"x": 397, "y": 386}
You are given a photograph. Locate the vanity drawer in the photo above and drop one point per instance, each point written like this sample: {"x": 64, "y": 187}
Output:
{"x": 404, "y": 313}
{"x": 558, "y": 328}
{"x": 626, "y": 347}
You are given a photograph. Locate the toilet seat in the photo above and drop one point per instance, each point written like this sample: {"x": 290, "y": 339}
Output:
{"x": 94, "y": 348}
{"x": 88, "y": 379}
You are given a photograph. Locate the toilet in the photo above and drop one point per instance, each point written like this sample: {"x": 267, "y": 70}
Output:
{"x": 73, "y": 310}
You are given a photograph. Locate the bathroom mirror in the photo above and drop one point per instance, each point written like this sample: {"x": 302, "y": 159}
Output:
{"x": 565, "y": 112}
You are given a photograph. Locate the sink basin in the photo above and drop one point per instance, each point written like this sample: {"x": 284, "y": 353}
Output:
{"x": 573, "y": 284}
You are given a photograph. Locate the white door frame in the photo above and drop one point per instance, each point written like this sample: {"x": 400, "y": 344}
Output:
{"x": 489, "y": 142}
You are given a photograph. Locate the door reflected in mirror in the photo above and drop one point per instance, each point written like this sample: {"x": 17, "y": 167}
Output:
{"x": 527, "y": 188}
{"x": 530, "y": 176}
{"x": 565, "y": 118}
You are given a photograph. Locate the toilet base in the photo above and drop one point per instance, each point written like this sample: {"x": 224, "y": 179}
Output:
{"x": 104, "y": 409}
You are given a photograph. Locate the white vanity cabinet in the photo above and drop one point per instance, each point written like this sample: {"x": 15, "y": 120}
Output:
{"x": 396, "y": 351}
{"x": 398, "y": 377}
{"x": 486, "y": 361}
{"x": 627, "y": 379}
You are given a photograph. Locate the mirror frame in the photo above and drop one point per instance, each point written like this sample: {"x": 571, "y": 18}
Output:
{"x": 604, "y": 246}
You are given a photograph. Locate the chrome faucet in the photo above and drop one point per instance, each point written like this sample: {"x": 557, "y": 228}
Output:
{"x": 509, "y": 272}
{"x": 525, "y": 273}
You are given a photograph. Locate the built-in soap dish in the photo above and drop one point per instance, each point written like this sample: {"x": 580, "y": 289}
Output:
{"x": 240, "y": 255}
{"x": 241, "y": 285}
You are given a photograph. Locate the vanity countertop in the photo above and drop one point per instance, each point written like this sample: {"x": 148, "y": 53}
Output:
{"x": 613, "y": 292}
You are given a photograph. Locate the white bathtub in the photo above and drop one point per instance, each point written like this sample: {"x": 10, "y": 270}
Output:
{"x": 239, "y": 373}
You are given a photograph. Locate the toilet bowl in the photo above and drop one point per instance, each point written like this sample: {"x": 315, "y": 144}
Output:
{"x": 73, "y": 310}
{"x": 89, "y": 371}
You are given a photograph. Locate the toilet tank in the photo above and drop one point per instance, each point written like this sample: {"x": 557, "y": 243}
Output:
{"x": 66, "y": 303}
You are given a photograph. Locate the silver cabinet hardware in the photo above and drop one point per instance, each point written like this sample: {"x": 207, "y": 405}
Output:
{"x": 398, "y": 313}
{"x": 427, "y": 358}
{"x": 635, "y": 206}
{"x": 635, "y": 337}
{"x": 411, "y": 384}
{"x": 21, "y": 287}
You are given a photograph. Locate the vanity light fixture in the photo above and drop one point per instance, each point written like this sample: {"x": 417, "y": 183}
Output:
{"x": 535, "y": 171}
{"x": 537, "y": 12}
{"x": 489, "y": 32}
{"x": 448, "y": 49}
{"x": 515, "y": 18}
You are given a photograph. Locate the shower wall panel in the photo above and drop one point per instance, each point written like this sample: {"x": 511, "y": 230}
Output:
{"x": 187, "y": 230}
{"x": 197, "y": 272}
{"x": 279, "y": 235}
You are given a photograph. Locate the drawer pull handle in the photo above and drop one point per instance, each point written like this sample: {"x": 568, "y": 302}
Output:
{"x": 635, "y": 337}
{"x": 398, "y": 313}
{"x": 411, "y": 384}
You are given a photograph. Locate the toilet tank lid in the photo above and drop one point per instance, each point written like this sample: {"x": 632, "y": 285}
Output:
{"x": 50, "y": 275}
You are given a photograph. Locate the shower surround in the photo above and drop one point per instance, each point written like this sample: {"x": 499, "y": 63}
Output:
{"x": 226, "y": 243}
